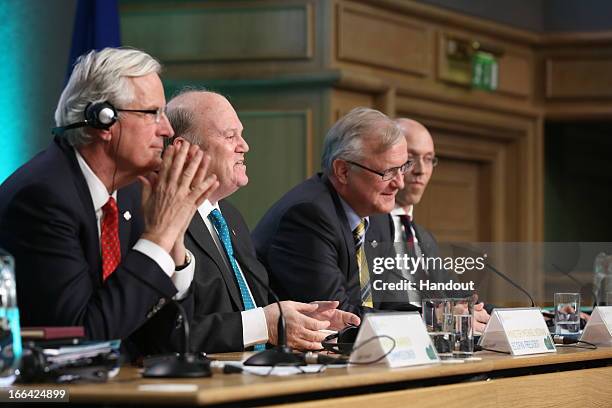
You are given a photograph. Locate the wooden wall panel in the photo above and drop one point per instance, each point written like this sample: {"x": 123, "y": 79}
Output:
{"x": 515, "y": 75}
{"x": 579, "y": 77}
{"x": 205, "y": 32}
{"x": 381, "y": 39}
{"x": 280, "y": 157}
{"x": 456, "y": 181}
{"x": 344, "y": 101}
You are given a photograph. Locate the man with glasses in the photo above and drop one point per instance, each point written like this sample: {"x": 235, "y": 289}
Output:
{"x": 93, "y": 248}
{"x": 320, "y": 239}
{"x": 411, "y": 238}
{"x": 231, "y": 310}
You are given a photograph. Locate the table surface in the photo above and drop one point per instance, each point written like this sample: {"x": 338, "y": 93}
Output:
{"x": 128, "y": 385}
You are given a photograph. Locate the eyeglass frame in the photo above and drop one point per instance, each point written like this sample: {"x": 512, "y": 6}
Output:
{"x": 157, "y": 112}
{"x": 393, "y": 171}
{"x": 417, "y": 158}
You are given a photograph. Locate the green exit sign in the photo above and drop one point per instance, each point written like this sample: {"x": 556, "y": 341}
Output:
{"x": 485, "y": 71}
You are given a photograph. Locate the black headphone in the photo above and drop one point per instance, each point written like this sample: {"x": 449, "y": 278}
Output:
{"x": 345, "y": 340}
{"x": 100, "y": 115}
{"x": 35, "y": 367}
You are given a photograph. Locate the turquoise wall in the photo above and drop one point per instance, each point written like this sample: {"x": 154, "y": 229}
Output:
{"x": 36, "y": 38}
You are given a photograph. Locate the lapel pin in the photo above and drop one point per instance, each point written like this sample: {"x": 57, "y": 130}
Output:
{"x": 374, "y": 244}
{"x": 127, "y": 215}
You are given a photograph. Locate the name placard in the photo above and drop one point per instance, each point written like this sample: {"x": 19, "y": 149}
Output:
{"x": 396, "y": 339}
{"x": 519, "y": 331}
{"x": 598, "y": 329}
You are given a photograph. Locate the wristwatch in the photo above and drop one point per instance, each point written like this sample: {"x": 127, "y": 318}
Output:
{"x": 187, "y": 261}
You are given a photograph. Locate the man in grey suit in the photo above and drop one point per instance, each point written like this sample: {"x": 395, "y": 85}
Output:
{"x": 409, "y": 235}
{"x": 231, "y": 310}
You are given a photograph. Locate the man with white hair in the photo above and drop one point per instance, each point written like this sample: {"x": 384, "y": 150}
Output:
{"x": 320, "y": 239}
{"x": 93, "y": 248}
{"x": 231, "y": 310}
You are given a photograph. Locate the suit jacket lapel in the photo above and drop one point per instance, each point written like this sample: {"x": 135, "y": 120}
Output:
{"x": 125, "y": 225}
{"x": 248, "y": 263}
{"x": 92, "y": 244}
{"x": 347, "y": 234}
{"x": 427, "y": 250}
{"x": 200, "y": 234}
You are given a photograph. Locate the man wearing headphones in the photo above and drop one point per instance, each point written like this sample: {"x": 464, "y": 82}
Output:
{"x": 93, "y": 248}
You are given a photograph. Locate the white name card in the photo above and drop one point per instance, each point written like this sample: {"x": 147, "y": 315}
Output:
{"x": 397, "y": 339}
{"x": 520, "y": 331}
{"x": 598, "y": 329}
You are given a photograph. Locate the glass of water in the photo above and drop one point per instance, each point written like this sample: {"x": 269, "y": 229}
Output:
{"x": 462, "y": 330}
{"x": 567, "y": 313}
{"x": 438, "y": 318}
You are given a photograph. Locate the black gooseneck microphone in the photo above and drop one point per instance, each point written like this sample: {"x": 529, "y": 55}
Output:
{"x": 281, "y": 355}
{"x": 498, "y": 273}
{"x": 181, "y": 365}
{"x": 510, "y": 281}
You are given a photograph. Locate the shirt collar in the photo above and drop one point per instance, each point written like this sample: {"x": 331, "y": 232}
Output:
{"x": 97, "y": 190}
{"x": 351, "y": 215}
{"x": 402, "y": 211}
{"x": 207, "y": 207}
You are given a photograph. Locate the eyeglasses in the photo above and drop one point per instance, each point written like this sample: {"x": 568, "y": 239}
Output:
{"x": 389, "y": 173}
{"x": 158, "y": 113}
{"x": 428, "y": 161}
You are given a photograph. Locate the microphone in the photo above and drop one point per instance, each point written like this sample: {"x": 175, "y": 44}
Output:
{"x": 500, "y": 274}
{"x": 319, "y": 358}
{"x": 181, "y": 365}
{"x": 281, "y": 355}
{"x": 564, "y": 339}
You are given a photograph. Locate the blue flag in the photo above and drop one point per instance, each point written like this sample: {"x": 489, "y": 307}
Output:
{"x": 96, "y": 26}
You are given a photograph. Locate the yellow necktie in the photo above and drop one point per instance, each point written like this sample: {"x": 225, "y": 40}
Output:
{"x": 362, "y": 263}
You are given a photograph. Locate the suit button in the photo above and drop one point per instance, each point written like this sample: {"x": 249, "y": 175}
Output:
{"x": 179, "y": 322}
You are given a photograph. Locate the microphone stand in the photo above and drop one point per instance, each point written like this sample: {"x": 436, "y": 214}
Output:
{"x": 181, "y": 365}
{"x": 500, "y": 274}
{"x": 281, "y": 355}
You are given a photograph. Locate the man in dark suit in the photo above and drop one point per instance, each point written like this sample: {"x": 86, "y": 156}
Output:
{"x": 231, "y": 308}
{"x": 90, "y": 250}
{"x": 320, "y": 239}
{"x": 412, "y": 237}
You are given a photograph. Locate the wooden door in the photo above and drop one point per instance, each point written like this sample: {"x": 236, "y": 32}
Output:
{"x": 452, "y": 206}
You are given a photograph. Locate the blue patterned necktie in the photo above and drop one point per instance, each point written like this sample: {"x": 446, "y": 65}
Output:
{"x": 220, "y": 225}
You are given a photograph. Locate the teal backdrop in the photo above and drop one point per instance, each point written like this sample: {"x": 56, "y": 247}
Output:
{"x": 33, "y": 58}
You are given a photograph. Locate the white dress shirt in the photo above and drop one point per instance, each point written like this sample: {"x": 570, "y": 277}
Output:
{"x": 353, "y": 218}
{"x": 99, "y": 196}
{"x": 254, "y": 325}
{"x": 400, "y": 248}
{"x": 400, "y": 234}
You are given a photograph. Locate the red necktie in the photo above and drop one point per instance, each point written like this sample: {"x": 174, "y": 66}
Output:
{"x": 109, "y": 238}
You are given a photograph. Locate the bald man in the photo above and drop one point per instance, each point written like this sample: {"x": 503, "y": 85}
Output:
{"x": 422, "y": 153}
{"x": 231, "y": 310}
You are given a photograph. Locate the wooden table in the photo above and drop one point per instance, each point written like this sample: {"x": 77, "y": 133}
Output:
{"x": 570, "y": 377}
